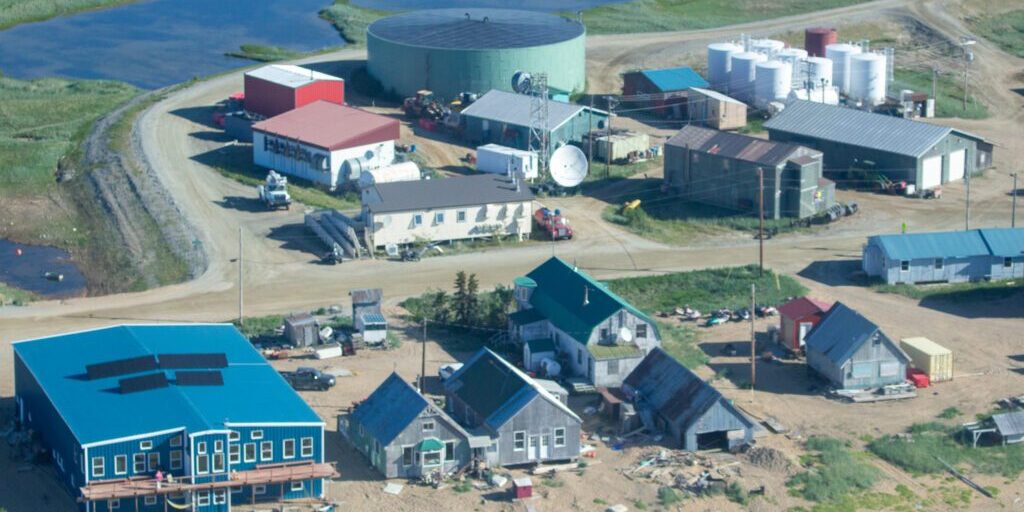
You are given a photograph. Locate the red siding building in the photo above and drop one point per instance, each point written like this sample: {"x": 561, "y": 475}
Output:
{"x": 797, "y": 318}
{"x": 278, "y": 88}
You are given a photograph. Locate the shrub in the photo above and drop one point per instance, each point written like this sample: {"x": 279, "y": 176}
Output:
{"x": 834, "y": 474}
{"x": 736, "y": 493}
{"x": 949, "y": 413}
{"x": 668, "y": 496}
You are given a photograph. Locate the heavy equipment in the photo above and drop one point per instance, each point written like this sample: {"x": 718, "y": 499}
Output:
{"x": 274, "y": 193}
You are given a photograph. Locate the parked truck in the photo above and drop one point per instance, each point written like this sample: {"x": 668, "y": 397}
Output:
{"x": 309, "y": 379}
{"x": 274, "y": 193}
{"x": 552, "y": 222}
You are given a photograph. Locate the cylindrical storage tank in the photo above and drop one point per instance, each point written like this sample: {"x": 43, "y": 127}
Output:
{"x": 404, "y": 171}
{"x": 741, "y": 78}
{"x": 720, "y": 63}
{"x": 451, "y": 51}
{"x": 794, "y": 57}
{"x": 840, "y": 55}
{"x": 867, "y": 78}
{"x": 818, "y": 71}
{"x": 772, "y": 82}
{"x": 817, "y": 39}
{"x": 767, "y": 47}
{"x": 827, "y": 95}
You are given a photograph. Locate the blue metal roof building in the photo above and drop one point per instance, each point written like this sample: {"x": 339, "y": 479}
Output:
{"x": 946, "y": 256}
{"x": 194, "y": 401}
{"x": 852, "y": 352}
{"x": 666, "y": 89}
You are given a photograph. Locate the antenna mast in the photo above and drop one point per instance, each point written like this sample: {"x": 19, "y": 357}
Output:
{"x": 539, "y": 120}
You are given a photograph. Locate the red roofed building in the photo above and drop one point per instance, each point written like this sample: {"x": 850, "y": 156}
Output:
{"x": 798, "y": 317}
{"x": 278, "y": 88}
{"x": 325, "y": 143}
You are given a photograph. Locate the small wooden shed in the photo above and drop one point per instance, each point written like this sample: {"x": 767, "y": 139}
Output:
{"x": 302, "y": 330}
{"x": 716, "y": 110}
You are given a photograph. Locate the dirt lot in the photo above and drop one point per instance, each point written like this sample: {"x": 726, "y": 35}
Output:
{"x": 280, "y": 276}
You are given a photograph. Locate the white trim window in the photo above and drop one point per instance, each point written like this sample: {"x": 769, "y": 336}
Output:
{"x": 259, "y": 489}
{"x": 256, "y": 435}
{"x": 904, "y": 265}
{"x": 939, "y": 263}
{"x": 234, "y": 436}
{"x": 202, "y": 464}
{"x": 460, "y": 216}
{"x": 150, "y": 500}
{"x": 139, "y": 463}
{"x": 114, "y": 504}
{"x": 203, "y": 498}
{"x": 1007, "y": 262}
{"x": 408, "y": 455}
{"x": 98, "y": 467}
{"x": 176, "y": 441}
{"x": 288, "y": 449}
{"x": 146, "y": 445}
{"x": 428, "y": 426}
{"x": 417, "y": 220}
{"x": 154, "y": 461}
{"x": 297, "y": 486}
{"x": 201, "y": 447}
{"x": 307, "y": 447}
{"x": 559, "y": 437}
{"x": 439, "y": 218}
{"x": 234, "y": 454}
{"x": 120, "y": 464}
{"x": 176, "y": 457}
{"x": 218, "y": 445}
{"x": 220, "y": 497}
{"x": 519, "y": 441}
{"x": 266, "y": 451}
{"x": 250, "y": 452}
{"x": 218, "y": 462}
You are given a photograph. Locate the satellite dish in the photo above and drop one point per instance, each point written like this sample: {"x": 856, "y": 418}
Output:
{"x": 522, "y": 82}
{"x": 366, "y": 179}
{"x": 568, "y": 166}
{"x": 625, "y": 334}
{"x": 391, "y": 250}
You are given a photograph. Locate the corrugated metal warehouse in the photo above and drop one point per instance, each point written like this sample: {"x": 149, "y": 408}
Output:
{"x": 194, "y": 401}
{"x": 922, "y": 154}
{"x": 946, "y": 256}
{"x": 504, "y": 118}
{"x": 450, "y": 51}
{"x": 720, "y": 169}
{"x": 278, "y": 88}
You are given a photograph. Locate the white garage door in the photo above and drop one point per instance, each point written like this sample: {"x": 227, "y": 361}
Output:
{"x": 931, "y": 173}
{"x": 957, "y": 164}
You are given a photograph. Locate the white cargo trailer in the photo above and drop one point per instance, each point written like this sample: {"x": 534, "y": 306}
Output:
{"x": 497, "y": 159}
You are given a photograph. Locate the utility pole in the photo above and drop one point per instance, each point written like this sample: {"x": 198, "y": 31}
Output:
{"x": 241, "y": 277}
{"x": 968, "y": 57}
{"x": 935, "y": 82}
{"x": 760, "y": 229}
{"x": 753, "y": 340}
{"x": 608, "y": 142}
{"x": 590, "y": 132}
{"x": 967, "y": 206}
{"x": 423, "y": 356}
{"x": 1013, "y": 207}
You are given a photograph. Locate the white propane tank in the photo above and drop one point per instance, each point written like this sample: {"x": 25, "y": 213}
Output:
{"x": 867, "y": 78}
{"x": 795, "y": 58}
{"x": 840, "y": 55}
{"x": 768, "y": 47}
{"x": 720, "y": 63}
{"x": 817, "y": 69}
{"x": 741, "y": 78}
{"x": 772, "y": 82}
{"x": 550, "y": 367}
{"x": 827, "y": 95}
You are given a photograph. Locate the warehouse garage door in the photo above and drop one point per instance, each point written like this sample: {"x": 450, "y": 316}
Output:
{"x": 957, "y": 164}
{"x": 931, "y": 173}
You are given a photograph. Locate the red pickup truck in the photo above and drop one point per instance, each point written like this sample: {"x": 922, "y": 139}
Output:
{"x": 552, "y": 222}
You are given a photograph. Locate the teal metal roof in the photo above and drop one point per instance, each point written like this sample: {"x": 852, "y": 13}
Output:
{"x": 94, "y": 410}
{"x": 389, "y": 409}
{"x": 526, "y": 316}
{"x": 1000, "y": 242}
{"x": 674, "y": 79}
{"x": 573, "y": 301}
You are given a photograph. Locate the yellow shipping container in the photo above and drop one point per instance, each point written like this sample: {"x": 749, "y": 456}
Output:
{"x": 929, "y": 357}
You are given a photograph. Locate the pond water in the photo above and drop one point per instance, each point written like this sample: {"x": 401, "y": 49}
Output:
{"x": 531, "y": 5}
{"x": 161, "y": 42}
{"x": 26, "y": 271}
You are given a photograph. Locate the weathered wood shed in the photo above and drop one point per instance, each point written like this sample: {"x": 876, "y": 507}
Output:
{"x": 302, "y": 330}
{"x": 853, "y": 353}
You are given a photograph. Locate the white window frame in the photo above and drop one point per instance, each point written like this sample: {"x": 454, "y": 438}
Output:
{"x": 176, "y": 441}
{"x": 296, "y": 486}
{"x": 123, "y": 461}
{"x": 904, "y": 265}
{"x": 217, "y": 464}
{"x": 256, "y": 435}
{"x": 203, "y": 498}
{"x": 259, "y": 489}
{"x": 245, "y": 452}
{"x": 640, "y": 331}
{"x": 176, "y": 456}
{"x": 234, "y": 436}
{"x": 449, "y": 445}
{"x": 114, "y": 504}
{"x": 438, "y": 453}
{"x": 417, "y": 220}
{"x": 218, "y": 445}
{"x": 102, "y": 466}
{"x": 146, "y": 445}
{"x": 940, "y": 263}
{"x": 202, "y": 464}
{"x": 284, "y": 448}
{"x": 559, "y": 433}
{"x": 234, "y": 453}
{"x": 460, "y": 216}
{"x": 306, "y": 447}
{"x": 266, "y": 446}
{"x": 201, "y": 447}
{"x": 139, "y": 463}
{"x": 411, "y": 451}
{"x": 1007, "y": 262}
{"x": 153, "y": 461}
{"x": 438, "y": 218}
{"x": 432, "y": 426}
{"x": 519, "y": 441}
{"x": 149, "y": 500}
{"x": 220, "y": 497}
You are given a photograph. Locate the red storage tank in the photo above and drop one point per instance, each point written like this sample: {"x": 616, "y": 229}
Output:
{"x": 817, "y": 38}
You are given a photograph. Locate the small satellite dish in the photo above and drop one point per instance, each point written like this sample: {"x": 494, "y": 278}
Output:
{"x": 366, "y": 179}
{"x": 522, "y": 82}
{"x": 391, "y": 250}
{"x": 568, "y": 166}
{"x": 625, "y": 334}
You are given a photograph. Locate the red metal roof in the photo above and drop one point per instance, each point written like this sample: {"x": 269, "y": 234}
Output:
{"x": 803, "y": 306}
{"x": 331, "y": 126}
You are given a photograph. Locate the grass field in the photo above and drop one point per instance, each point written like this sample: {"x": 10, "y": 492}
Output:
{"x": 263, "y": 53}
{"x": 958, "y": 292}
{"x": 949, "y": 92}
{"x": 706, "y": 290}
{"x": 834, "y": 474}
{"x": 935, "y": 440}
{"x": 681, "y": 343}
{"x": 15, "y": 12}
{"x": 14, "y": 297}
{"x": 351, "y": 21}
{"x": 1004, "y": 29}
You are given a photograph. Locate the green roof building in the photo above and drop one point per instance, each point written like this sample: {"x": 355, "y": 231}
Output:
{"x": 596, "y": 335}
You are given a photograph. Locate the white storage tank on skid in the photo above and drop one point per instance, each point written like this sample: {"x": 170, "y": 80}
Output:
{"x": 741, "y": 78}
{"x": 827, "y": 95}
{"x": 840, "y": 55}
{"x": 497, "y": 159}
{"x": 818, "y": 71}
{"x": 867, "y": 78}
{"x": 403, "y": 171}
{"x": 772, "y": 82}
{"x": 719, "y": 63}
{"x": 767, "y": 47}
{"x": 795, "y": 57}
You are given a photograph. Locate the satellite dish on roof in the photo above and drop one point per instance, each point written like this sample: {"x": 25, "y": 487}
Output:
{"x": 568, "y": 166}
{"x": 625, "y": 334}
{"x": 366, "y": 180}
{"x": 522, "y": 82}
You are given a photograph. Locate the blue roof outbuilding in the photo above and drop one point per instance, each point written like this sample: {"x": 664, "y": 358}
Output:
{"x": 1004, "y": 242}
{"x": 1000, "y": 242}
{"x": 840, "y": 333}
{"x": 386, "y": 412}
{"x": 674, "y": 79}
{"x": 98, "y": 409}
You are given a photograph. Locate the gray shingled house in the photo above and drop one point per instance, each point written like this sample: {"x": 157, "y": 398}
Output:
{"x": 526, "y": 424}
{"x": 851, "y": 352}
{"x": 721, "y": 169}
{"x": 405, "y": 435}
{"x": 669, "y": 398}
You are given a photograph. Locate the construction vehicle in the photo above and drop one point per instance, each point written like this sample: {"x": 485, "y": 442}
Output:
{"x": 410, "y": 254}
{"x": 274, "y": 193}
{"x": 887, "y": 186}
{"x": 552, "y": 222}
{"x": 423, "y": 106}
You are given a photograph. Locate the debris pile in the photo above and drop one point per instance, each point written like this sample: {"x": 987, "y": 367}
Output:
{"x": 769, "y": 458}
{"x": 690, "y": 472}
